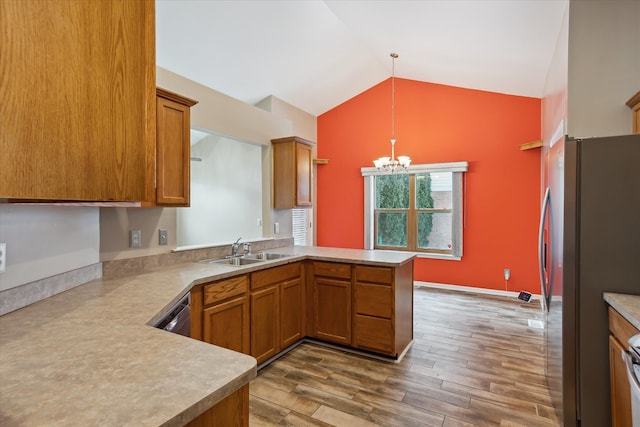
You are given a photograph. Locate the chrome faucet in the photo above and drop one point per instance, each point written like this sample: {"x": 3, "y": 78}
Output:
{"x": 235, "y": 246}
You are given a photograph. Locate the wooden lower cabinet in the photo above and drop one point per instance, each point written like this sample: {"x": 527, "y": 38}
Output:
{"x": 291, "y": 312}
{"x": 373, "y": 333}
{"x": 265, "y": 342}
{"x": 332, "y": 302}
{"x": 276, "y": 310}
{"x": 232, "y": 411}
{"x": 383, "y": 309}
{"x": 264, "y": 312}
{"x": 220, "y": 313}
{"x": 227, "y": 324}
{"x": 621, "y": 331}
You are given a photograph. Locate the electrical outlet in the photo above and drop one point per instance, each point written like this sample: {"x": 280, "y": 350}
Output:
{"x": 276, "y": 227}
{"x": 3, "y": 257}
{"x": 507, "y": 274}
{"x": 135, "y": 238}
{"x": 163, "y": 237}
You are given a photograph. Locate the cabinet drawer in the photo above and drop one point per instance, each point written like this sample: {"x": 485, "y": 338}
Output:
{"x": 620, "y": 327}
{"x": 219, "y": 291}
{"x": 273, "y": 275}
{"x": 373, "y": 333}
{"x": 332, "y": 269}
{"x": 374, "y": 300}
{"x": 381, "y": 275}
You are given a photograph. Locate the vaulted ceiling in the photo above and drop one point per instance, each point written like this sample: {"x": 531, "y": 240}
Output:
{"x": 316, "y": 54}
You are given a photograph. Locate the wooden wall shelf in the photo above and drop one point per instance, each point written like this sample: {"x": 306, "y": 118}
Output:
{"x": 531, "y": 145}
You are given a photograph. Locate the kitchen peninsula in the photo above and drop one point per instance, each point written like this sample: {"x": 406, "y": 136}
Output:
{"x": 89, "y": 357}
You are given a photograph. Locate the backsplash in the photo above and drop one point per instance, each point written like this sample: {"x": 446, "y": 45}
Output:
{"x": 21, "y": 296}
{"x": 125, "y": 267}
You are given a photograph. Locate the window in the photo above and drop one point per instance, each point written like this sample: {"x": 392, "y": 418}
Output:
{"x": 301, "y": 226}
{"x": 419, "y": 211}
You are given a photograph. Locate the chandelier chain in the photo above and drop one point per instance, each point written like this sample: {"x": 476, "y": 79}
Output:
{"x": 389, "y": 164}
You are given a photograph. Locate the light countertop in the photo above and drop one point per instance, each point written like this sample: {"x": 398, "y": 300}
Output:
{"x": 89, "y": 357}
{"x": 627, "y": 305}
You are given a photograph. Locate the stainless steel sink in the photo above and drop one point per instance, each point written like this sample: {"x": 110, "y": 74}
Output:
{"x": 235, "y": 261}
{"x": 266, "y": 256}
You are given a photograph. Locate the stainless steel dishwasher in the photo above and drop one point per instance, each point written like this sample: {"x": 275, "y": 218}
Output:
{"x": 178, "y": 318}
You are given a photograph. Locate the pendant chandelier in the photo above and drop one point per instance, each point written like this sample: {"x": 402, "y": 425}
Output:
{"x": 389, "y": 164}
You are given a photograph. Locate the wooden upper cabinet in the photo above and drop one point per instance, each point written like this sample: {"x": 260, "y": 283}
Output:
{"x": 77, "y": 115}
{"x": 634, "y": 104}
{"x": 292, "y": 179}
{"x": 173, "y": 149}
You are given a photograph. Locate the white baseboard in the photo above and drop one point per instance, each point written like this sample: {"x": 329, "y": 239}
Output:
{"x": 461, "y": 288}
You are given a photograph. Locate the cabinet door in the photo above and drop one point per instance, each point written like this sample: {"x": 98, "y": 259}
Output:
{"x": 173, "y": 149}
{"x": 620, "y": 391}
{"x": 303, "y": 175}
{"x": 332, "y": 310}
{"x": 291, "y": 309}
{"x": 78, "y": 99}
{"x": 373, "y": 333}
{"x": 227, "y": 325}
{"x": 264, "y": 323}
{"x": 292, "y": 166}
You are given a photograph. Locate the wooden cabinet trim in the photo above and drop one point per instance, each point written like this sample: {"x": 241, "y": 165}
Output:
{"x": 175, "y": 97}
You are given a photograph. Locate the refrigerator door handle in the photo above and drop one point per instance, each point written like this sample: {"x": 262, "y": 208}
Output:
{"x": 542, "y": 253}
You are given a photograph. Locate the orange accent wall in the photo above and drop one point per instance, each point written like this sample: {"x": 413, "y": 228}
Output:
{"x": 437, "y": 123}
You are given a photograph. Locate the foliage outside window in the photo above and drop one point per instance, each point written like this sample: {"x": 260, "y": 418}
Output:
{"x": 418, "y": 211}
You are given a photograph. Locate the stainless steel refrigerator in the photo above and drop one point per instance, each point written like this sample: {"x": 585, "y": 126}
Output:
{"x": 589, "y": 244}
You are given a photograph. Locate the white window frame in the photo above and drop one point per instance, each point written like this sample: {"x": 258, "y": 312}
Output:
{"x": 458, "y": 169}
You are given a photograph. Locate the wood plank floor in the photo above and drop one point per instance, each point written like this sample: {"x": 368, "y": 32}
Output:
{"x": 475, "y": 362}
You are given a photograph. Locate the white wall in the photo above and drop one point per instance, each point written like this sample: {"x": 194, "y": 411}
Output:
{"x": 554, "y": 100}
{"x": 226, "y": 193}
{"x": 43, "y": 241}
{"x": 604, "y": 66}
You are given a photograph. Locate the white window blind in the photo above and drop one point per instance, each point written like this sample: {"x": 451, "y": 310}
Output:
{"x": 301, "y": 226}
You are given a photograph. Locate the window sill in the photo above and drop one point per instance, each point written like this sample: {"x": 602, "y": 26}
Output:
{"x": 430, "y": 256}
{"x": 438, "y": 256}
